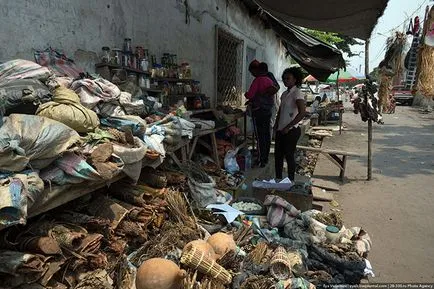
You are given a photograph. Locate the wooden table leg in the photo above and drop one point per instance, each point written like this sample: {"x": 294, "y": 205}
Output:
{"x": 193, "y": 147}
{"x": 215, "y": 149}
{"x": 344, "y": 165}
{"x": 184, "y": 154}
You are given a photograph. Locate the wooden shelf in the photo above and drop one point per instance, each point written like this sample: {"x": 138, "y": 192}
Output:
{"x": 152, "y": 90}
{"x": 187, "y": 95}
{"x": 197, "y": 111}
{"x": 114, "y": 66}
{"x": 165, "y": 79}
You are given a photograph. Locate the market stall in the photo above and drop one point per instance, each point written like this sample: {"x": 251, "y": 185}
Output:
{"x": 98, "y": 190}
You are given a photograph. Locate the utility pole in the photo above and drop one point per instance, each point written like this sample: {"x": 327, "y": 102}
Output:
{"x": 369, "y": 119}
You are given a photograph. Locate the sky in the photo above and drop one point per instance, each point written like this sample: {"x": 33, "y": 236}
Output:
{"x": 396, "y": 13}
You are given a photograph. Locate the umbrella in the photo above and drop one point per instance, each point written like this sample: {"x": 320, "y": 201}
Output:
{"x": 310, "y": 78}
{"x": 344, "y": 76}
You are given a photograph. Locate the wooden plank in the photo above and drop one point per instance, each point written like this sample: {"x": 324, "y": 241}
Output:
{"x": 320, "y": 195}
{"x": 333, "y": 160}
{"x": 193, "y": 147}
{"x": 324, "y": 150}
{"x": 205, "y": 144}
{"x": 215, "y": 149}
{"x": 317, "y": 206}
{"x": 328, "y": 185}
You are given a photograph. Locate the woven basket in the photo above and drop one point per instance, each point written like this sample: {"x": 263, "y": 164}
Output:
{"x": 280, "y": 267}
{"x": 195, "y": 259}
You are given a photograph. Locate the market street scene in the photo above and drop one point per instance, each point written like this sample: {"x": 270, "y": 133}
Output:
{"x": 216, "y": 144}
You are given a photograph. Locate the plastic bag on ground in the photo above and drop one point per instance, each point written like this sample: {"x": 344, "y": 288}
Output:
{"x": 29, "y": 140}
{"x": 203, "y": 193}
{"x": 231, "y": 164}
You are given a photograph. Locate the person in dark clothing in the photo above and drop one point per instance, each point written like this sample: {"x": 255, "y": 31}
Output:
{"x": 260, "y": 95}
{"x": 292, "y": 110}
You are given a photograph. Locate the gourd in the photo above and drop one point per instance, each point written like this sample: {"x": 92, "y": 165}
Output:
{"x": 222, "y": 243}
{"x": 158, "y": 273}
{"x": 203, "y": 247}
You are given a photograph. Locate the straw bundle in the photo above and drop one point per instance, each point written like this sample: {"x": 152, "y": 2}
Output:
{"x": 195, "y": 259}
{"x": 179, "y": 208}
{"x": 258, "y": 282}
{"x": 258, "y": 254}
{"x": 280, "y": 267}
{"x": 426, "y": 75}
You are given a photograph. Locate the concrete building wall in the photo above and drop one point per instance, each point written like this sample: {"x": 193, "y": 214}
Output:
{"x": 81, "y": 27}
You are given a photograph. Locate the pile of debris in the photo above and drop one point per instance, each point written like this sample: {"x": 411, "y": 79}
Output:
{"x": 120, "y": 236}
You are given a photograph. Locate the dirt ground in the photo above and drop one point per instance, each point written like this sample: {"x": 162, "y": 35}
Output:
{"x": 397, "y": 206}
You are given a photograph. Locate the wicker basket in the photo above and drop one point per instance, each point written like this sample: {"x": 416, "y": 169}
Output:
{"x": 280, "y": 267}
{"x": 195, "y": 259}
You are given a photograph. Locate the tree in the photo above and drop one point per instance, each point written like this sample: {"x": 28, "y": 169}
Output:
{"x": 375, "y": 74}
{"x": 341, "y": 42}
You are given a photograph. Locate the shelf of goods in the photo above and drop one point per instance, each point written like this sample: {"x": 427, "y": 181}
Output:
{"x": 129, "y": 69}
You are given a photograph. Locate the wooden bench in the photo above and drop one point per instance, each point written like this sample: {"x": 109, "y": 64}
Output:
{"x": 333, "y": 156}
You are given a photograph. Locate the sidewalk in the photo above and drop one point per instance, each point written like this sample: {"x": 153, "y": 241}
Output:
{"x": 396, "y": 207}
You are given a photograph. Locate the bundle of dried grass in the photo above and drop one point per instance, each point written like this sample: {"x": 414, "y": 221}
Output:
{"x": 258, "y": 282}
{"x": 258, "y": 254}
{"x": 280, "y": 267}
{"x": 425, "y": 83}
{"x": 330, "y": 219}
{"x": 193, "y": 258}
{"x": 179, "y": 209}
{"x": 171, "y": 237}
{"x": 231, "y": 261}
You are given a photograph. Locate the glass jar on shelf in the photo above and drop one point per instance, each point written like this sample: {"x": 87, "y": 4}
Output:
{"x": 196, "y": 87}
{"x": 142, "y": 81}
{"x": 133, "y": 61}
{"x": 105, "y": 55}
{"x": 132, "y": 78}
{"x": 127, "y": 45}
{"x": 126, "y": 59}
{"x": 140, "y": 52}
{"x": 116, "y": 56}
{"x": 186, "y": 70}
{"x": 144, "y": 64}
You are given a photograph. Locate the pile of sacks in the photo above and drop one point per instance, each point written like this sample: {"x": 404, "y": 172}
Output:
{"x": 60, "y": 131}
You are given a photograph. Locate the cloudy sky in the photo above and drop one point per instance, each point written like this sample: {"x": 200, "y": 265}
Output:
{"x": 397, "y": 13}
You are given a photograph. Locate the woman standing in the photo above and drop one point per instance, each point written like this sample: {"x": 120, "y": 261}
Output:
{"x": 291, "y": 111}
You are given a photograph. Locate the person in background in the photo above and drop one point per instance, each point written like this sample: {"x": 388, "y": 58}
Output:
{"x": 325, "y": 98}
{"x": 315, "y": 105}
{"x": 292, "y": 110}
{"x": 260, "y": 96}
{"x": 264, "y": 67}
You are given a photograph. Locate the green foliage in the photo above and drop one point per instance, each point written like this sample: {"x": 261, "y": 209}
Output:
{"x": 375, "y": 74}
{"x": 340, "y": 41}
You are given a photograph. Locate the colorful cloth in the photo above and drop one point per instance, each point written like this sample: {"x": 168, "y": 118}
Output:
{"x": 92, "y": 92}
{"x": 57, "y": 62}
{"x": 280, "y": 212}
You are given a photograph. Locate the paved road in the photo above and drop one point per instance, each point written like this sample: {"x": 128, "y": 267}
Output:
{"x": 397, "y": 207}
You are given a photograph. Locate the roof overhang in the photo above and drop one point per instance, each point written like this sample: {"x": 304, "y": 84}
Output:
{"x": 351, "y": 18}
